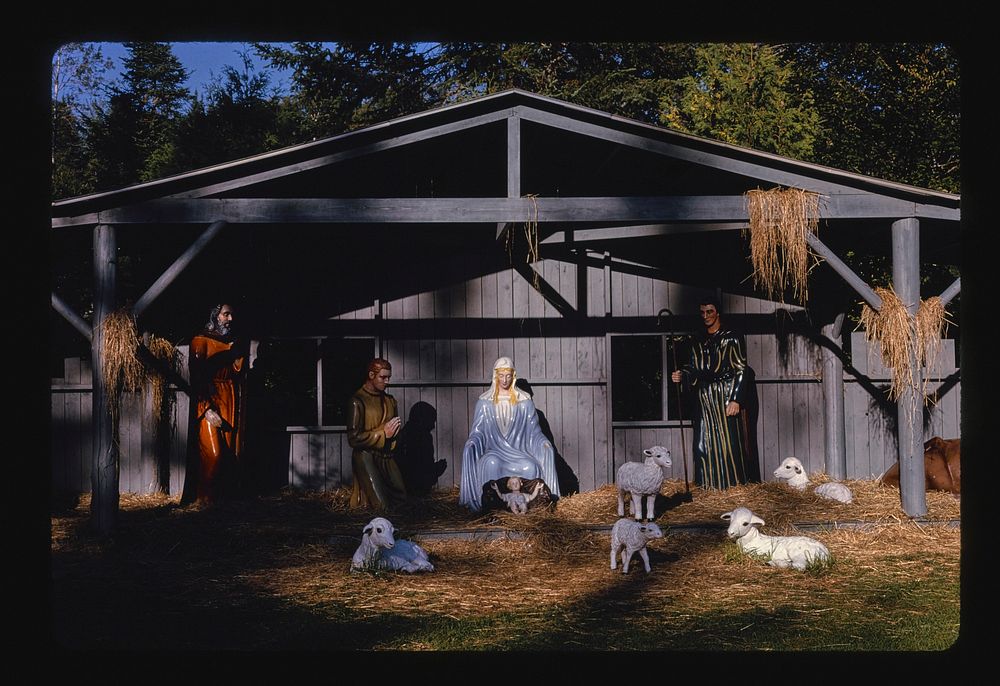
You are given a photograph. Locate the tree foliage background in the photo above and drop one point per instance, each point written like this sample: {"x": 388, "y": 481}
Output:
{"x": 889, "y": 110}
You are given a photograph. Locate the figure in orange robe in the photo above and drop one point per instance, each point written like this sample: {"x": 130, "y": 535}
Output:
{"x": 217, "y": 366}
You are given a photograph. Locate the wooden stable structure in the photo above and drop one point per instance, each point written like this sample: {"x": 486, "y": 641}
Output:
{"x": 513, "y": 224}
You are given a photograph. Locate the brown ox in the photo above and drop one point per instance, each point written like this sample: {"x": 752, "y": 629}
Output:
{"x": 942, "y": 466}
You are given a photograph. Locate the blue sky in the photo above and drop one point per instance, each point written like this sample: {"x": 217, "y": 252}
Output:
{"x": 202, "y": 60}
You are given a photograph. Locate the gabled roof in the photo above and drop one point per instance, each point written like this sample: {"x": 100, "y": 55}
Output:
{"x": 771, "y": 168}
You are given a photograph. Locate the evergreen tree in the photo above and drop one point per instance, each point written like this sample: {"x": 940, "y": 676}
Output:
{"x": 741, "y": 93}
{"x": 628, "y": 79}
{"x": 240, "y": 116}
{"x": 69, "y": 154}
{"x": 350, "y": 85}
{"x": 131, "y": 138}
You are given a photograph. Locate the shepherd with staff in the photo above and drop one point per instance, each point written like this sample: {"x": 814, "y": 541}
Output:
{"x": 725, "y": 445}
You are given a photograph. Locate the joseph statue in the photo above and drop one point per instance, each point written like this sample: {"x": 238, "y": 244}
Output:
{"x": 373, "y": 426}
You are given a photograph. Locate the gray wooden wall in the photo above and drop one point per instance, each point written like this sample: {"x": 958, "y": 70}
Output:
{"x": 568, "y": 374}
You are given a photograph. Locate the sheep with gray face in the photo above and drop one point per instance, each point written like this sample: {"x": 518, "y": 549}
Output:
{"x": 797, "y": 552}
{"x": 629, "y": 538}
{"x": 379, "y": 549}
{"x": 791, "y": 472}
{"x": 642, "y": 479}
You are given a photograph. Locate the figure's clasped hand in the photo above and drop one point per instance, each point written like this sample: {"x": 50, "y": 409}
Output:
{"x": 676, "y": 376}
{"x": 213, "y": 418}
{"x": 392, "y": 427}
{"x": 732, "y": 408}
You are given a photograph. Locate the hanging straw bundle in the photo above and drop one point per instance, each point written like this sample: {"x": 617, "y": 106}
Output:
{"x": 891, "y": 328}
{"x": 121, "y": 368}
{"x": 932, "y": 326}
{"x": 780, "y": 219}
{"x": 904, "y": 340}
{"x": 162, "y": 350}
{"x": 530, "y": 237}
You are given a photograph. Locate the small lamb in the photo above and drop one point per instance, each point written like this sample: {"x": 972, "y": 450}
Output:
{"x": 793, "y": 473}
{"x": 630, "y": 537}
{"x": 781, "y": 551}
{"x": 380, "y": 550}
{"x": 517, "y": 501}
{"x": 642, "y": 479}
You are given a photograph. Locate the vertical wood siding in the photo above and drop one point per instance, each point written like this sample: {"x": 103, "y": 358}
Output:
{"x": 568, "y": 374}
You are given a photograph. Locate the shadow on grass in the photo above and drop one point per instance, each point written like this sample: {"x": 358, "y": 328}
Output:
{"x": 185, "y": 579}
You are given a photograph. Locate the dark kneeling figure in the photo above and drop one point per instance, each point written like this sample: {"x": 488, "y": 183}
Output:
{"x": 515, "y": 494}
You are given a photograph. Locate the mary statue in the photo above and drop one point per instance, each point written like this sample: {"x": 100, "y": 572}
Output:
{"x": 504, "y": 440}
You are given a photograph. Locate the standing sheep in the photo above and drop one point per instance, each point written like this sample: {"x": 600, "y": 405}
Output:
{"x": 630, "y": 537}
{"x": 791, "y": 472}
{"x": 780, "y": 551}
{"x": 380, "y": 550}
{"x": 642, "y": 479}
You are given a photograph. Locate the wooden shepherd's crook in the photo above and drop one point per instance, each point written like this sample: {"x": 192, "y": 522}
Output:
{"x": 680, "y": 406}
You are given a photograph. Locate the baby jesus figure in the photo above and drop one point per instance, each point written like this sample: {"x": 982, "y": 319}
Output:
{"x": 516, "y": 500}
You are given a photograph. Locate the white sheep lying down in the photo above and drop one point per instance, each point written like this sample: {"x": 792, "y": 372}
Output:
{"x": 642, "y": 479}
{"x": 379, "y": 549}
{"x": 791, "y": 472}
{"x": 631, "y": 537}
{"x": 781, "y": 551}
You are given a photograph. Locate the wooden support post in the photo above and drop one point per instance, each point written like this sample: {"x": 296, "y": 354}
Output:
{"x": 72, "y": 317}
{"x": 174, "y": 270}
{"x": 834, "y": 426}
{"x": 852, "y": 279}
{"x": 951, "y": 291}
{"x": 909, "y": 417}
{"x": 104, "y": 474}
{"x": 513, "y": 156}
{"x": 608, "y": 310}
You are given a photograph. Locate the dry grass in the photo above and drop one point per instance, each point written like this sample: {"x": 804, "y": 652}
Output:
{"x": 931, "y": 323}
{"x": 905, "y": 342}
{"x": 163, "y": 350}
{"x": 780, "y": 218}
{"x": 122, "y": 369}
{"x": 550, "y": 581}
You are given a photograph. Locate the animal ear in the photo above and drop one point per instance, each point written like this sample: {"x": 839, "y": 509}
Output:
{"x": 798, "y": 470}
{"x": 367, "y": 530}
{"x": 756, "y": 520}
{"x": 727, "y": 516}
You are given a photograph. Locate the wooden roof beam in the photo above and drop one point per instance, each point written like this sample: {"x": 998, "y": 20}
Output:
{"x": 174, "y": 270}
{"x": 77, "y": 322}
{"x": 492, "y": 210}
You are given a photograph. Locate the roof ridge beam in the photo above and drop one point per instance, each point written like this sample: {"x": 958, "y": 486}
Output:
{"x": 494, "y": 210}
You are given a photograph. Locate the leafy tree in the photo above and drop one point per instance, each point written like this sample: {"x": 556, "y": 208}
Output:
{"x": 890, "y": 110}
{"x": 78, "y": 75}
{"x": 741, "y": 93}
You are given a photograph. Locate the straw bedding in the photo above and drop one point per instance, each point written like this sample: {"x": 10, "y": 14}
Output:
{"x": 297, "y": 547}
